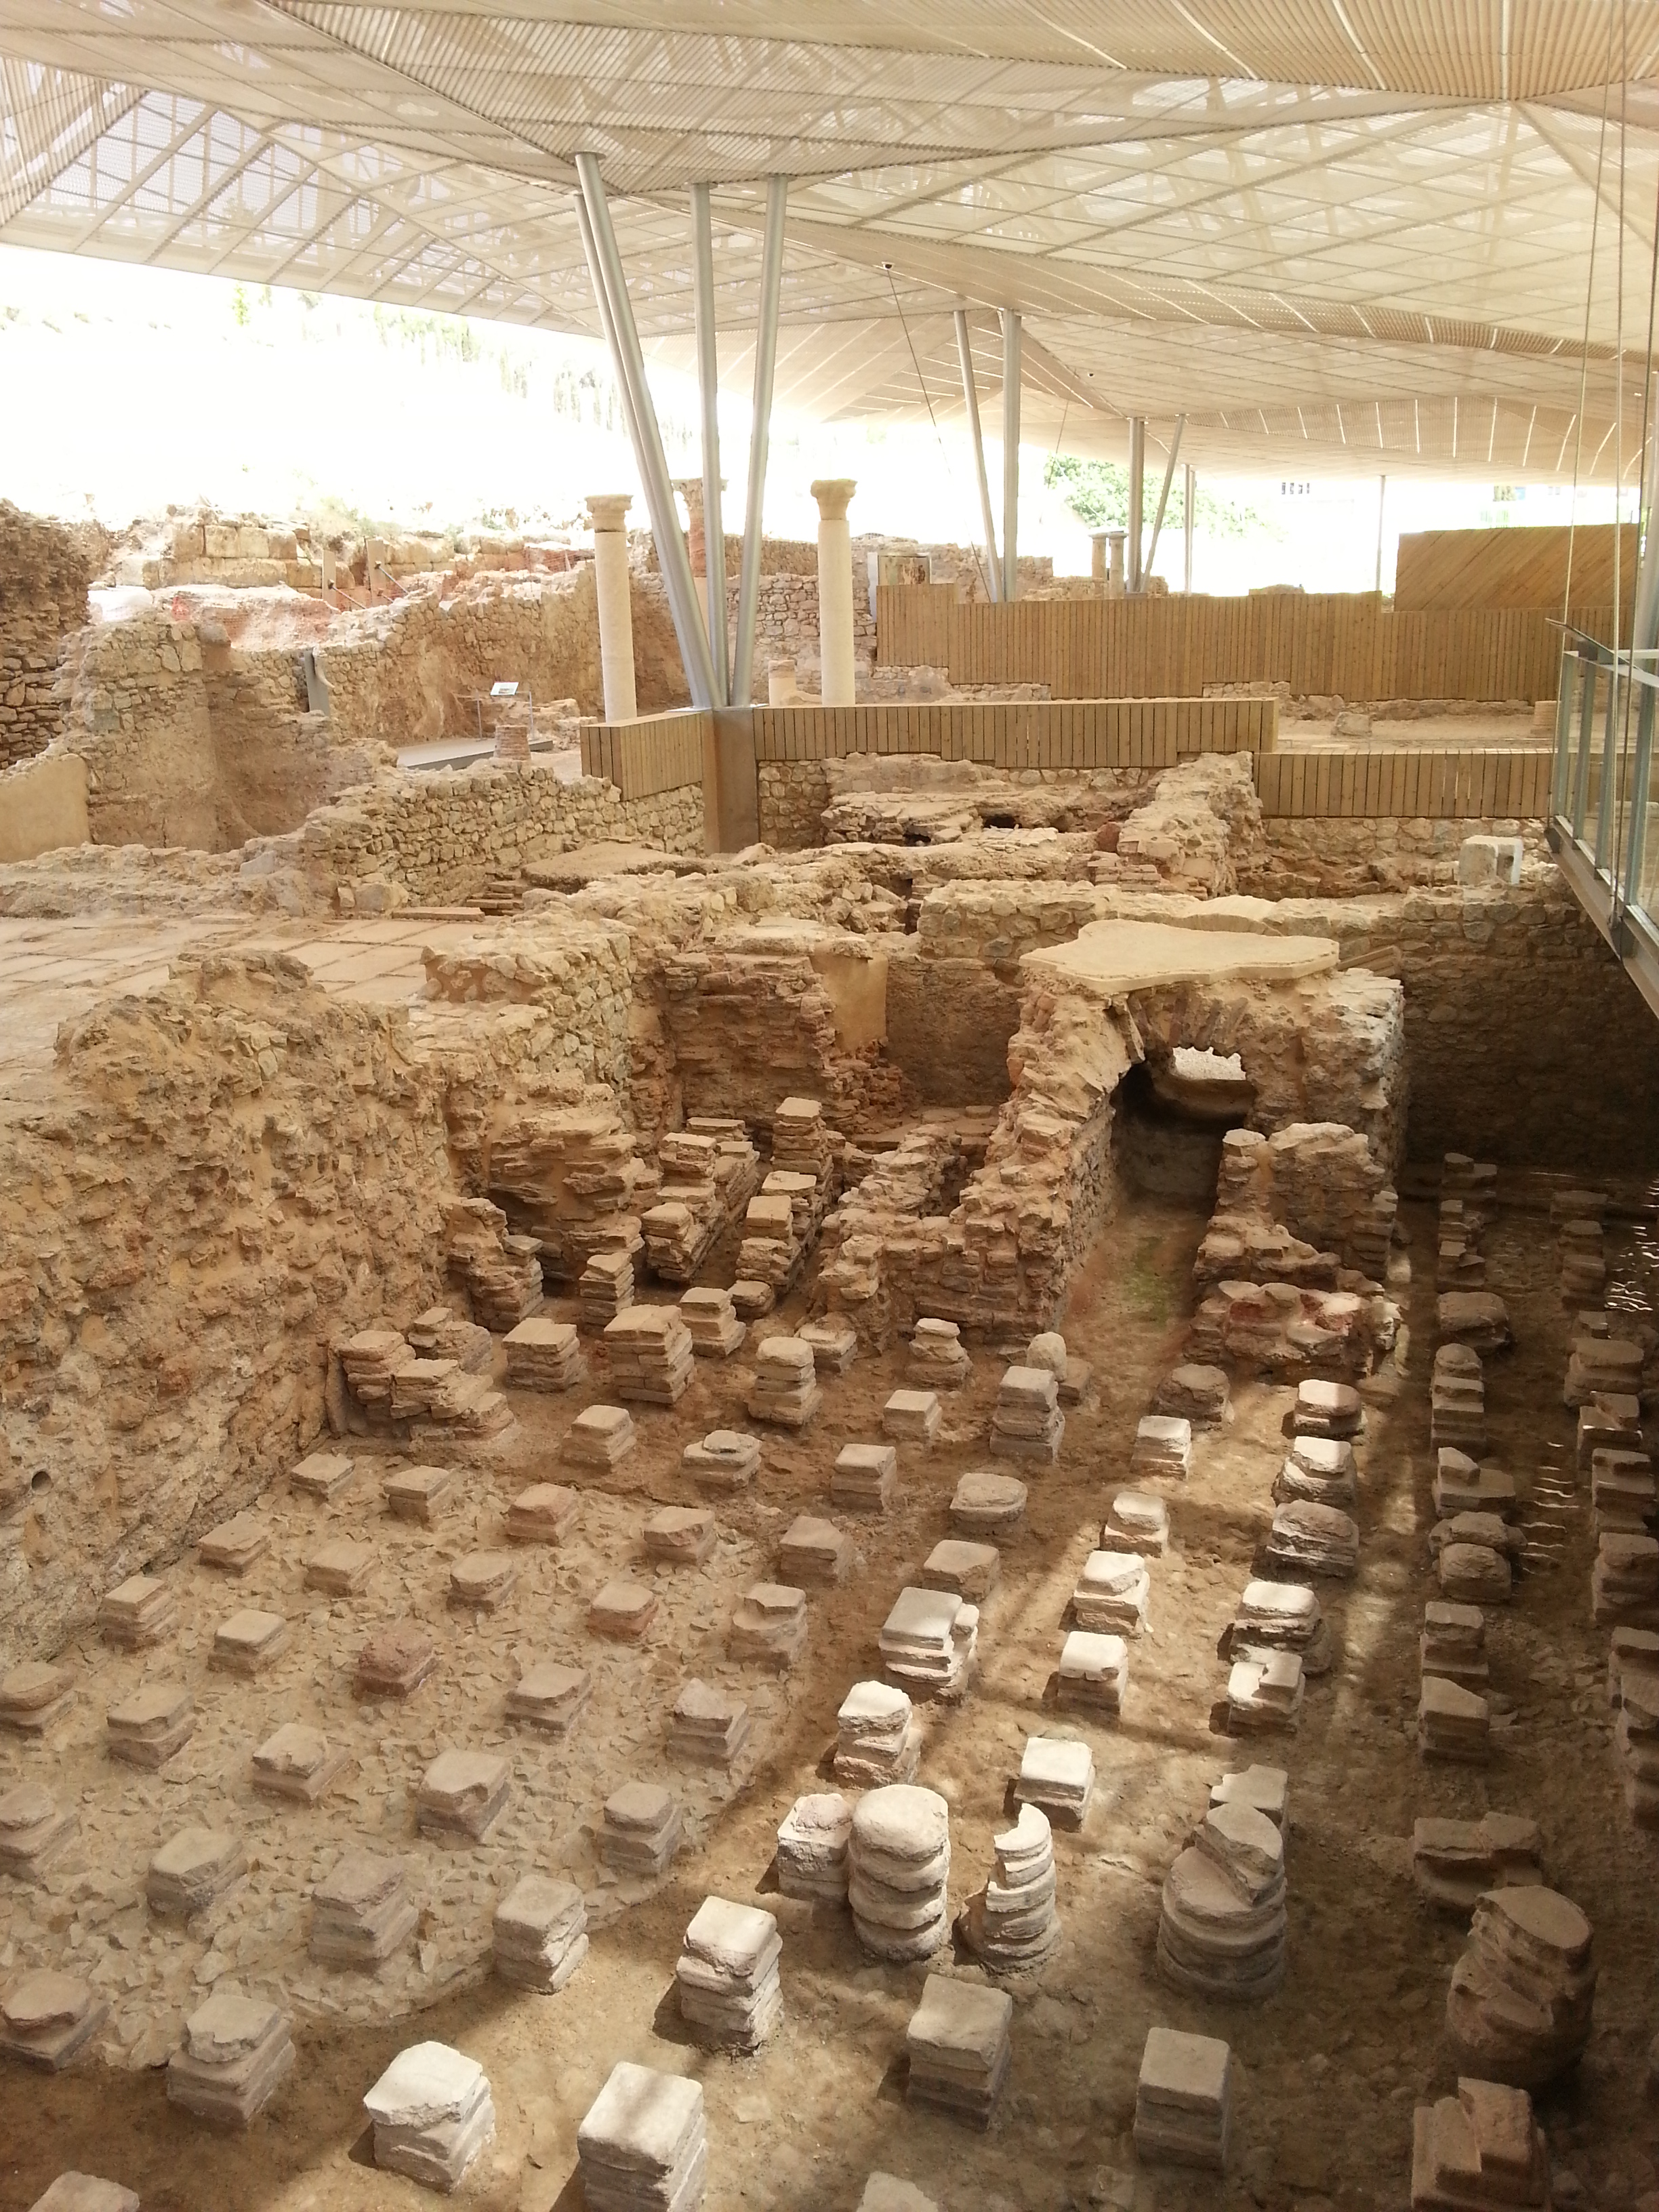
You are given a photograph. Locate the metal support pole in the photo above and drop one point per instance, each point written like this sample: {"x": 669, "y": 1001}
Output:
{"x": 1163, "y": 496}
{"x": 760, "y": 435}
{"x": 1189, "y": 501}
{"x": 708, "y": 385}
{"x": 971, "y": 400}
{"x": 1381, "y": 494}
{"x": 611, "y": 288}
{"x": 1010, "y": 455}
{"x": 1137, "y": 496}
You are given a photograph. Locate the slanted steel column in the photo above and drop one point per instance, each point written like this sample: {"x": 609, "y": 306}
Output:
{"x": 611, "y": 290}
{"x": 709, "y": 380}
{"x": 1010, "y": 455}
{"x": 1133, "y": 582}
{"x": 971, "y": 400}
{"x": 760, "y": 437}
{"x": 1188, "y": 501}
{"x": 1163, "y": 496}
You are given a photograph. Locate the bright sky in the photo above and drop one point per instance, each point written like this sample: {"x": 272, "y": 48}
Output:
{"x": 144, "y": 387}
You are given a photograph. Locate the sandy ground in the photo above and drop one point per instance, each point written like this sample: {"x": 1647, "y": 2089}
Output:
{"x": 1328, "y": 2070}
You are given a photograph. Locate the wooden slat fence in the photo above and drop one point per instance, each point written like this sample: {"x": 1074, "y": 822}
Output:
{"x": 1092, "y": 733}
{"x": 1342, "y": 644}
{"x": 1510, "y": 784}
{"x": 661, "y": 753}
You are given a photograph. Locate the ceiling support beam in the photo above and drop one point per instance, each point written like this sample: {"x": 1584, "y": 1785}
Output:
{"x": 1134, "y": 580}
{"x": 1163, "y": 496}
{"x": 1011, "y": 333}
{"x": 1188, "y": 502}
{"x": 610, "y": 291}
{"x": 760, "y": 436}
{"x": 708, "y": 392}
{"x": 971, "y": 400}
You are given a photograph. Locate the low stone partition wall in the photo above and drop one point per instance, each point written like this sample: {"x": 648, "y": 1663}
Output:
{"x": 443, "y": 835}
{"x": 43, "y": 807}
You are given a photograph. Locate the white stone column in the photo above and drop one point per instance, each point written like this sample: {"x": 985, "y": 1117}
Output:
{"x": 834, "y": 494}
{"x": 605, "y": 511}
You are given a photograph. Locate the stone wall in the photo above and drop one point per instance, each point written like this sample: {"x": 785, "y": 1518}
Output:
{"x": 43, "y": 573}
{"x": 1526, "y": 1042}
{"x": 443, "y": 835}
{"x": 232, "y": 1170}
{"x": 411, "y": 671}
{"x": 138, "y": 714}
{"x": 793, "y": 795}
{"x": 1335, "y": 859}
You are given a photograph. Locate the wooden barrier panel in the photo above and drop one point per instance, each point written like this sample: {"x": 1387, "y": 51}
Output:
{"x": 1042, "y": 733}
{"x": 1346, "y": 645}
{"x": 1507, "y": 784}
{"x": 1524, "y": 566}
{"x": 662, "y": 752}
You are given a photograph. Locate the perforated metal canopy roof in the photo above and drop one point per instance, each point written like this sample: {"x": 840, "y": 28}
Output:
{"x": 1349, "y": 233}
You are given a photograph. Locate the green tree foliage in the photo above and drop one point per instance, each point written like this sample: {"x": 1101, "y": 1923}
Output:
{"x": 1097, "y": 493}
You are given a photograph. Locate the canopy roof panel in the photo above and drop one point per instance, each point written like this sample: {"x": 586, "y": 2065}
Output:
{"x": 1337, "y": 233}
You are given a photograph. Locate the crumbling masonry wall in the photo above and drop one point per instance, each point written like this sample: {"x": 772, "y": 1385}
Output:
{"x": 443, "y": 835}
{"x": 44, "y": 570}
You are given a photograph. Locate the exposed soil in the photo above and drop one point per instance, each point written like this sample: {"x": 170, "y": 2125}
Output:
{"x": 1328, "y": 2070}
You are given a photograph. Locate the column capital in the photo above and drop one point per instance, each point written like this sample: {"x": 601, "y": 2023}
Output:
{"x": 605, "y": 509}
{"x": 834, "y": 495}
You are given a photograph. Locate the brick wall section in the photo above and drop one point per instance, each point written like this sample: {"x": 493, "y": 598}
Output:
{"x": 442, "y": 836}
{"x": 44, "y": 575}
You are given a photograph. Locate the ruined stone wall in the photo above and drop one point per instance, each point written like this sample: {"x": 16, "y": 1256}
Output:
{"x": 1526, "y": 1042}
{"x": 139, "y": 714}
{"x": 231, "y": 1172}
{"x": 793, "y": 794}
{"x": 443, "y": 835}
{"x": 43, "y": 573}
{"x": 1335, "y": 859}
{"x": 408, "y": 671}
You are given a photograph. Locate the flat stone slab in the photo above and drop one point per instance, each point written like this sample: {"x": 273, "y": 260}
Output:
{"x": 1112, "y": 957}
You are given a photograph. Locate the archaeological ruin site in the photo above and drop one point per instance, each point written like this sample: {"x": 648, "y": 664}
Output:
{"x": 826, "y": 1365}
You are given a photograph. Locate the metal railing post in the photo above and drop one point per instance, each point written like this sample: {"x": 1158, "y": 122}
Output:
{"x": 760, "y": 437}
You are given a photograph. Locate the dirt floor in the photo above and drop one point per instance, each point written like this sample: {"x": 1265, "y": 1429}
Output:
{"x": 1327, "y": 2071}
